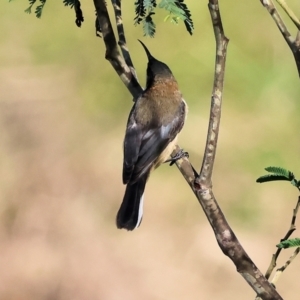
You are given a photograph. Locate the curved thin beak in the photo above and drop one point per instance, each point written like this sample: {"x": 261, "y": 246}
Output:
{"x": 147, "y": 51}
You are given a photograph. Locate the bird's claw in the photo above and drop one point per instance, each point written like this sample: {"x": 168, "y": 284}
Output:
{"x": 180, "y": 154}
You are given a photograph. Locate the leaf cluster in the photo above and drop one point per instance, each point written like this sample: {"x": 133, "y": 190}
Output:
{"x": 144, "y": 10}
{"x": 38, "y": 9}
{"x": 177, "y": 10}
{"x": 279, "y": 174}
{"x": 71, "y": 3}
{"x": 289, "y": 243}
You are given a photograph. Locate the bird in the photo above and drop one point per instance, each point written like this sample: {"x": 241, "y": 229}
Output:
{"x": 154, "y": 122}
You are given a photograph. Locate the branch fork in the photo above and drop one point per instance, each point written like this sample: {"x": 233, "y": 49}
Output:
{"x": 201, "y": 184}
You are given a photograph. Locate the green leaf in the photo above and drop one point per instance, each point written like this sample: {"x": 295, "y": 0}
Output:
{"x": 70, "y": 3}
{"x": 281, "y": 171}
{"x": 178, "y": 11}
{"x": 39, "y": 10}
{"x": 289, "y": 243}
{"x": 279, "y": 174}
{"x": 295, "y": 183}
{"x": 149, "y": 26}
{"x": 188, "y": 22}
{"x": 267, "y": 178}
{"x": 149, "y": 4}
{"x": 28, "y": 10}
{"x": 140, "y": 11}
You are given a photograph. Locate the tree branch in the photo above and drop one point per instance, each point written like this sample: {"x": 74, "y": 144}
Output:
{"x": 288, "y": 234}
{"x": 288, "y": 262}
{"x": 202, "y": 185}
{"x": 289, "y": 12}
{"x": 112, "y": 52}
{"x": 293, "y": 43}
{"x": 121, "y": 33}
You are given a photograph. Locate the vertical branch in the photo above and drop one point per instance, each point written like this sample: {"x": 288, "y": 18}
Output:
{"x": 216, "y": 99}
{"x": 121, "y": 33}
{"x": 201, "y": 185}
{"x": 112, "y": 52}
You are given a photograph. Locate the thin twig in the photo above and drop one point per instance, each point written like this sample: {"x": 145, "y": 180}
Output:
{"x": 112, "y": 52}
{"x": 293, "y": 43}
{"x": 269, "y": 5}
{"x": 288, "y": 234}
{"x": 289, "y": 12}
{"x": 297, "y": 40}
{"x": 202, "y": 186}
{"x": 281, "y": 270}
{"x": 121, "y": 33}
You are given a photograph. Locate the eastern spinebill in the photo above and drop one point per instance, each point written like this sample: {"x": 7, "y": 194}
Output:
{"x": 153, "y": 125}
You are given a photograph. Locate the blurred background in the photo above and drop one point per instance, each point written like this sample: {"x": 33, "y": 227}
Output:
{"x": 63, "y": 112}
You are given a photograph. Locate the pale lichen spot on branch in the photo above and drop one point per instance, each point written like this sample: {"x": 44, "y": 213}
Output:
{"x": 226, "y": 234}
{"x": 265, "y": 2}
{"x": 217, "y": 97}
{"x": 218, "y": 68}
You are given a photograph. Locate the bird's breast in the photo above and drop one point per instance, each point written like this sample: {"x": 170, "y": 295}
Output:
{"x": 159, "y": 102}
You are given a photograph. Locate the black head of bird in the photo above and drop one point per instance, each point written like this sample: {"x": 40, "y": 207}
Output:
{"x": 156, "y": 69}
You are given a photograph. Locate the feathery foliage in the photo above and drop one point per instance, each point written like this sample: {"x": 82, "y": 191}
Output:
{"x": 289, "y": 243}
{"x": 72, "y": 3}
{"x": 148, "y": 25}
{"x": 39, "y": 9}
{"x": 69, "y": 3}
{"x": 278, "y": 174}
{"x": 177, "y": 10}
{"x": 144, "y": 11}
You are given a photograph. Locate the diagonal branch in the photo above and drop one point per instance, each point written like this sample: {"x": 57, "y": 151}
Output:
{"x": 289, "y": 12}
{"x": 202, "y": 186}
{"x": 282, "y": 269}
{"x": 288, "y": 234}
{"x": 112, "y": 52}
{"x": 293, "y": 43}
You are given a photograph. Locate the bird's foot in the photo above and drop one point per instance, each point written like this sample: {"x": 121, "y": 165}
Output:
{"x": 180, "y": 154}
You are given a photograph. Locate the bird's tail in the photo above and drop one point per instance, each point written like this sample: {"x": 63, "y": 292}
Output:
{"x": 130, "y": 213}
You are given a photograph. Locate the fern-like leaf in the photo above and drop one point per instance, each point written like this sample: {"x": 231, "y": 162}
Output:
{"x": 281, "y": 171}
{"x": 289, "y": 243}
{"x": 278, "y": 174}
{"x": 39, "y": 8}
{"x": 28, "y": 9}
{"x": 178, "y": 11}
{"x": 140, "y": 11}
{"x": 149, "y": 4}
{"x": 267, "y": 178}
{"x": 70, "y": 3}
{"x": 148, "y": 25}
{"x": 188, "y": 22}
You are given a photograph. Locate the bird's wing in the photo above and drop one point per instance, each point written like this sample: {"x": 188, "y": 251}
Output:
{"x": 144, "y": 144}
